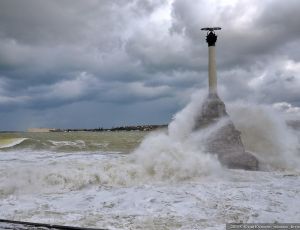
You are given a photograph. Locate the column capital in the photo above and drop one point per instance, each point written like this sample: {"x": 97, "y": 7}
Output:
{"x": 211, "y": 38}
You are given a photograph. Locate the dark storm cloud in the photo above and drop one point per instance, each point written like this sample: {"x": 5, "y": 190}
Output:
{"x": 251, "y": 29}
{"x": 76, "y": 54}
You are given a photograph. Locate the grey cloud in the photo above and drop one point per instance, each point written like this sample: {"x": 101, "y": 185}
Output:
{"x": 83, "y": 87}
{"x": 251, "y": 29}
{"x": 77, "y": 54}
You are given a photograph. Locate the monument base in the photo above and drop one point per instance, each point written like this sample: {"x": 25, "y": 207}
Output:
{"x": 225, "y": 139}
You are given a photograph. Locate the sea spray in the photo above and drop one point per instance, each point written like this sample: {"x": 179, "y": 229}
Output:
{"x": 120, "y": 191}
{"x": 164, "y": 158}
{"x": 184, "y": 121}
{"x": 179, "y": 153}
{"x": 266, "y": 134}
{"x": 167, "y": 156}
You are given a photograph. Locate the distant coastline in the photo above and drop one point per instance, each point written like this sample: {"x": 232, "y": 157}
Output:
{"x": 295, "y": 124}
{"x": 113, "y": 129}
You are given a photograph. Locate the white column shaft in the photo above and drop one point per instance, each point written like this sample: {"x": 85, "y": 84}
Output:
{"x": 212, "y": 74}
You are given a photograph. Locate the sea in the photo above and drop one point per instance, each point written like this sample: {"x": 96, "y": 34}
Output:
{"x": 162, "y": 179}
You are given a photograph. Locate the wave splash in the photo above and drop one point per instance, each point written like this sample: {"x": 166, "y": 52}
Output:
{"x": 265, "y": 133}
{"x": 166, "y": 156}
{"x": 170, "y": 155}
{"x": 179, "y": 153}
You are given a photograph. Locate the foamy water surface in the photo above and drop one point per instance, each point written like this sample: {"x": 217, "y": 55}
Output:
{"x": 161, "y": 180}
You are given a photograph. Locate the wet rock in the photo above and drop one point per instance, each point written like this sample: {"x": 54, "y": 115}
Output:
{"x": 225, "y": 140}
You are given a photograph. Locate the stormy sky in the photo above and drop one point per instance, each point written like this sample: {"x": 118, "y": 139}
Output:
{"x": 103, "y": 63}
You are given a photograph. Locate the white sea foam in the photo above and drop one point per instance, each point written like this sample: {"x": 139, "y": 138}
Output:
{"x": 76, "y": 143}
{"x": 168, "y": 182}
{"x": 253, "y": 197}
{"x": 163, "y": 156}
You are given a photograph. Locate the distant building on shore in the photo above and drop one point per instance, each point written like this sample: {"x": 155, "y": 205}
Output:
{"x": 40, "y": 130}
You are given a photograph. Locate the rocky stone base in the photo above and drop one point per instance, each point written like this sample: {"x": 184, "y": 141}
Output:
{"x": 225, "y": 139}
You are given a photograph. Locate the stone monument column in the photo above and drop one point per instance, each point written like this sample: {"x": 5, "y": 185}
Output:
{"x": 212, "y": 73}
{"x": 225, "y": 140}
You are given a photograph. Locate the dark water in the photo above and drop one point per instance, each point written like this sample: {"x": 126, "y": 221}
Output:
{"x": 123, "y": 142}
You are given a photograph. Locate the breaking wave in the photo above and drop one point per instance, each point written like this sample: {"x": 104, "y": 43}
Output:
{"x": 179, "y": 153}
{"x": 167, "y": 156}
{"x": 163, "y": 156}
{"x": 265, "y": 133}
{"x": 11, "y": 142}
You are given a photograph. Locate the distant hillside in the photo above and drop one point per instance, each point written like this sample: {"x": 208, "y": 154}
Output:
{"x": 121, "y": 128}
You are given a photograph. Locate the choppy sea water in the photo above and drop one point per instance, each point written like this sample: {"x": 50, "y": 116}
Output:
{"x": 158, "y": 180}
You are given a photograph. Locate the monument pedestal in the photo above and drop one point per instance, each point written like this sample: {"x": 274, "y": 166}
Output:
{"x": 225, "y": 140}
